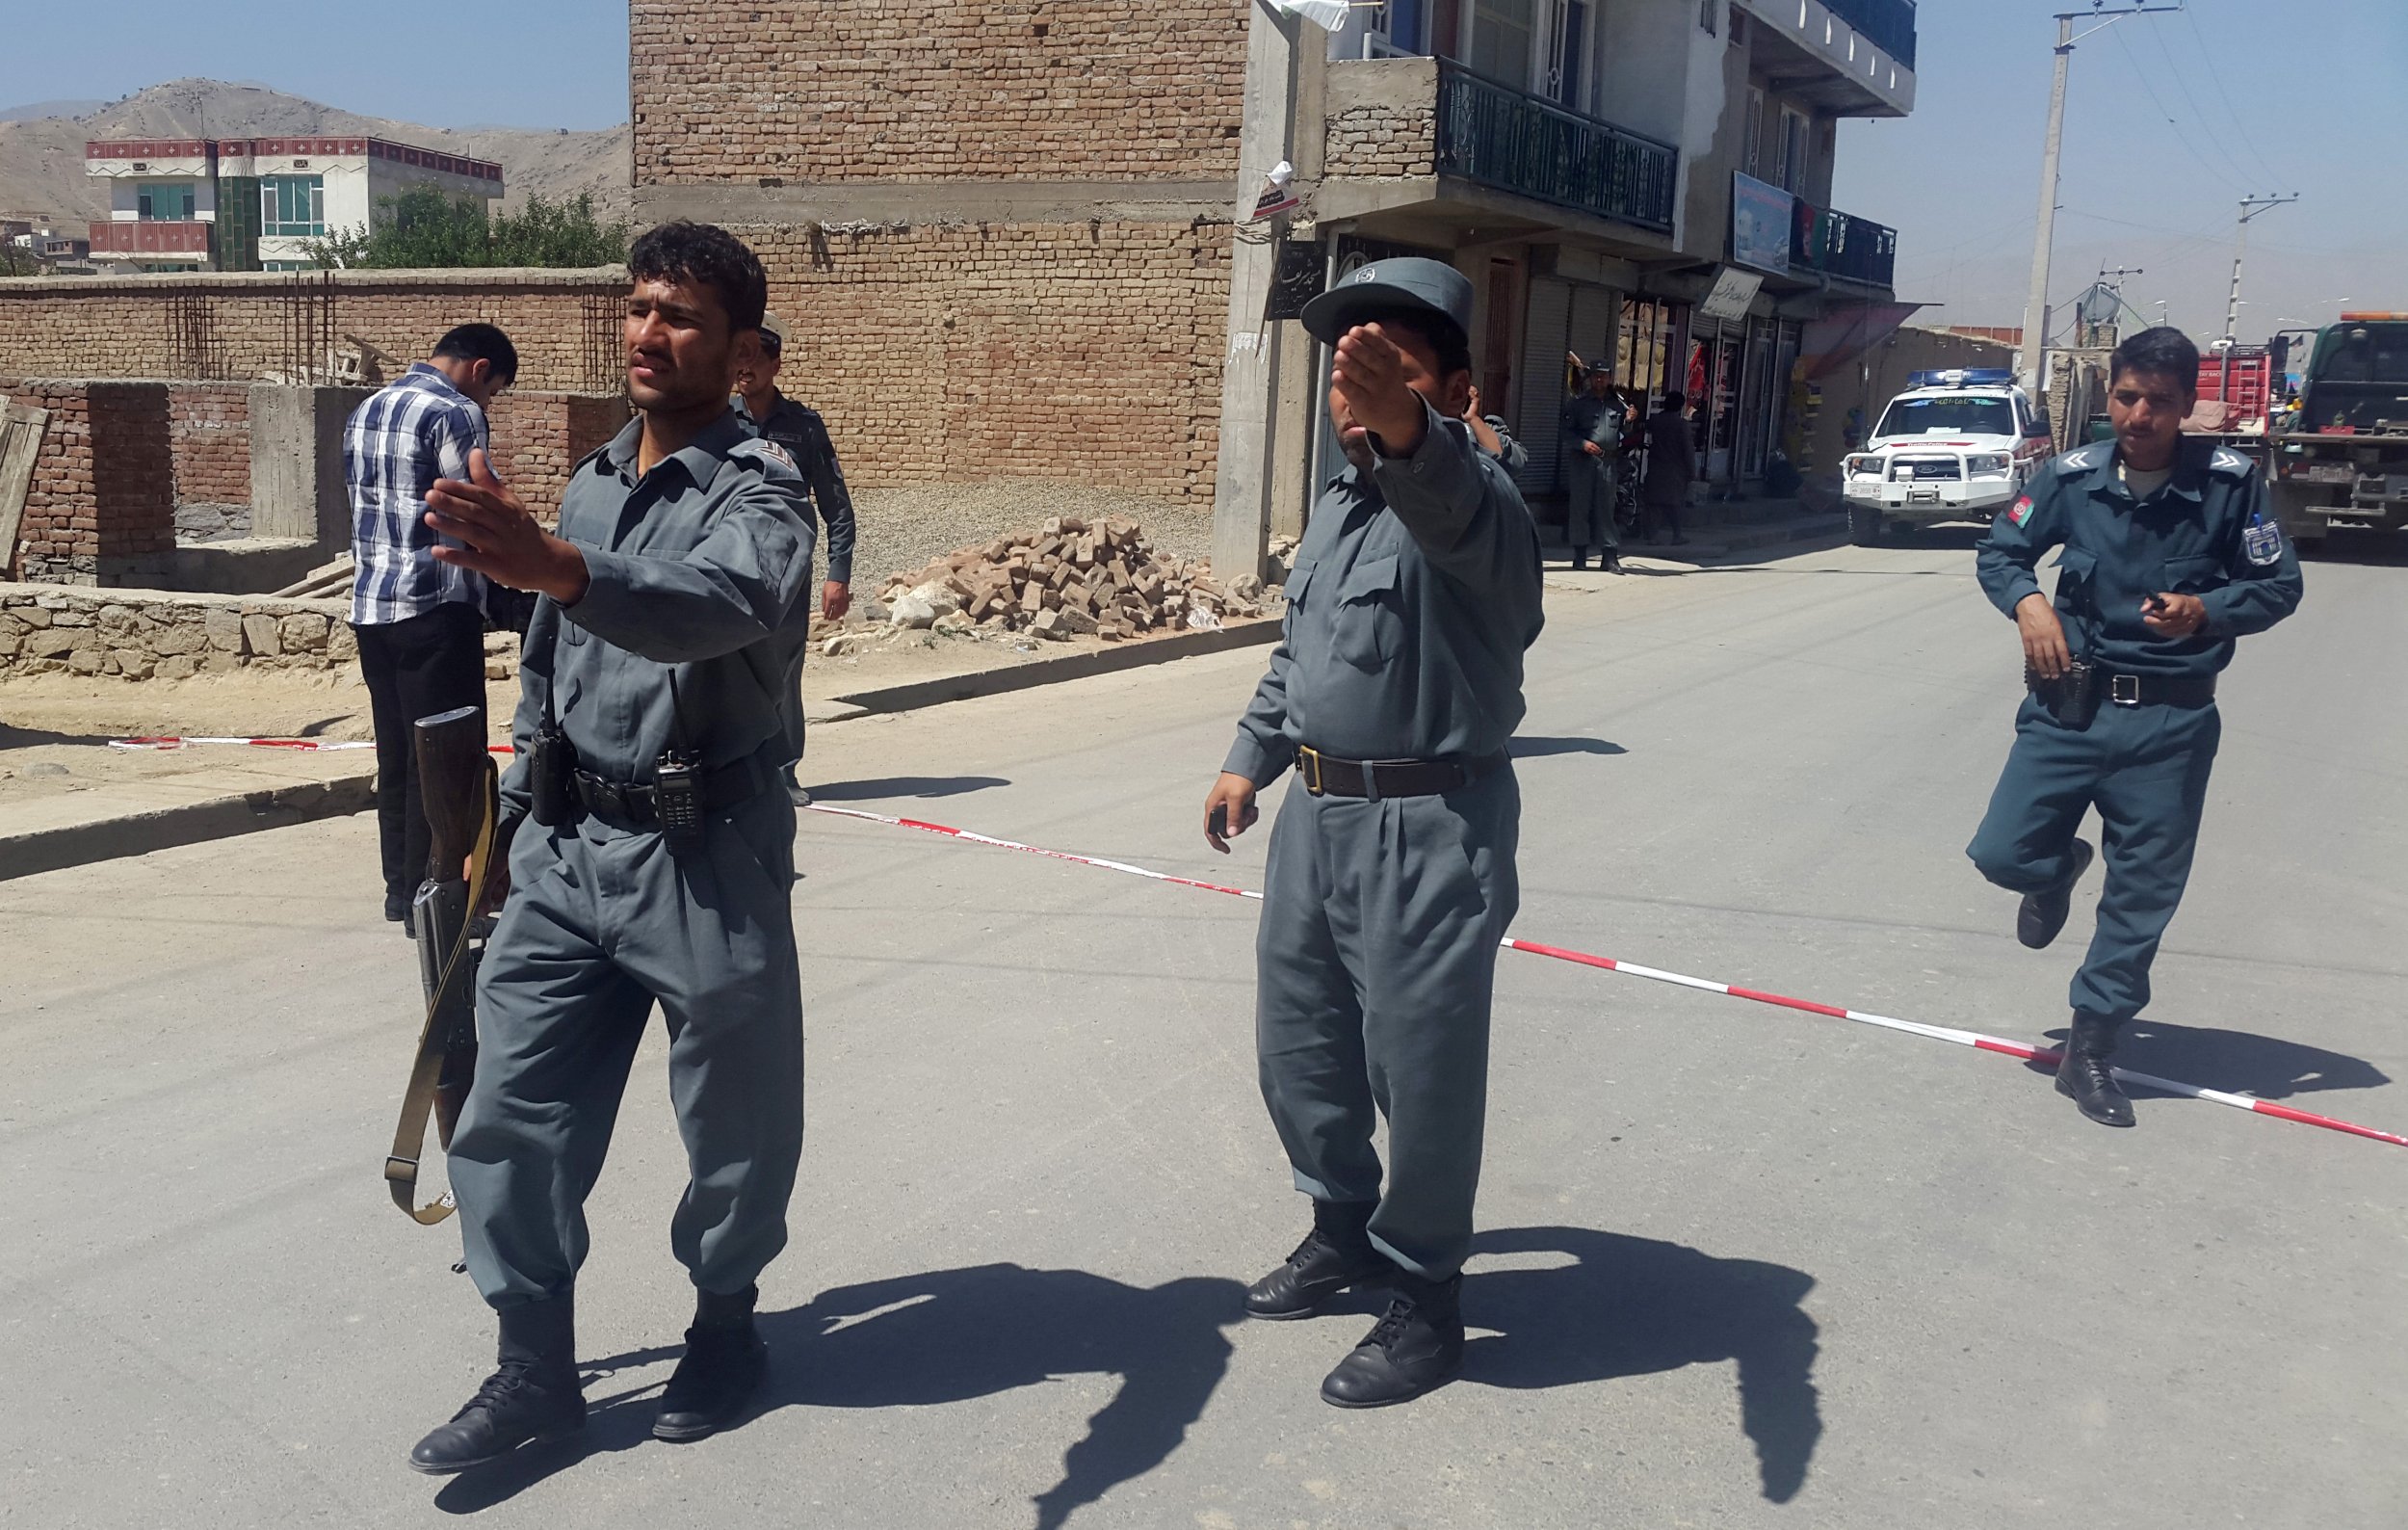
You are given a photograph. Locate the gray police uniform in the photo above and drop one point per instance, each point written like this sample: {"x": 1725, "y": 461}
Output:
{"x": 1511, "y": 453}
{"x": 1589, "y": 515}
{"x": 700, "y": 569}
{"x": 1415, "y": 594}
{"x": 803, "y": 434}
{"x": 2144, "y": 760}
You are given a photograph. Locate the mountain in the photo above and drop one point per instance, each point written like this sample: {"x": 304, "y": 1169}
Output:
{"x": 39, "y": 109}
{"x": 41, "y": 158}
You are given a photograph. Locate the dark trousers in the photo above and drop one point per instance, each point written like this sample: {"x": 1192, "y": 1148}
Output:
{"x": 2145, "y": 769}
{"x": 414, "y": 668}
{"x": 1663, "y": 515}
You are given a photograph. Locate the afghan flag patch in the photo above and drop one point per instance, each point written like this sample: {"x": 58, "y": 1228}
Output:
{"x": 2021, "y": 512}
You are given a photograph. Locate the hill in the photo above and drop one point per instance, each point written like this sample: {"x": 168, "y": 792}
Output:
{"x": 41, "y": 158}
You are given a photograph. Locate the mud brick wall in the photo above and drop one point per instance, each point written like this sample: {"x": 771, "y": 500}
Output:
{"x": 100, "y": 509}
{"x": 1071, "y": 353}
{"x": 209, "y": 438}
{"x": 152, "y": 634}
{"x": 234, "y": 326}
{"x": 932, "y": 89}
{"x": 538, "y": 438}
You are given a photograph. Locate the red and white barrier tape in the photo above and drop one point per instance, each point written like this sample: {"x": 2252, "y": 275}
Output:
{"x": 1937, "y": 1033}
{"x": 306, "y": 745}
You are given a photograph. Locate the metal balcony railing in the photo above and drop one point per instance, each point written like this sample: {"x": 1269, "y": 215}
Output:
{"x": 1494, "y": 134}
{"x": 1843, "y": 245}
{"x": 1887, "y": 24}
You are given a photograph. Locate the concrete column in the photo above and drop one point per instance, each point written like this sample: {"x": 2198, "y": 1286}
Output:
{"x": 1243, "y": 478}
{"x": 297, "y": 489}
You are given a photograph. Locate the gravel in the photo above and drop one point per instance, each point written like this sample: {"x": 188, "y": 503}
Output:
{"x": 903, "y": 529}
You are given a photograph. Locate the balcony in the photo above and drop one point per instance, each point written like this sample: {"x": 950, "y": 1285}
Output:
{"x": 152, "y": 238}
{"x": 1849, "y": 58}
{"x": 1843, "y": 245}
{"x": 1887, "y": 24}
{"x": 1491, "y": 133}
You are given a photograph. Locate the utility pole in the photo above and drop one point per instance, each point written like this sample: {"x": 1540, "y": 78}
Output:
{"x": 2250, "y": 207}
{"x": 2030, "y": 359}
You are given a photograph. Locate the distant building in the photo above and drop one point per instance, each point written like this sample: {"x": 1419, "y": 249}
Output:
{"x": 255, "y": 203}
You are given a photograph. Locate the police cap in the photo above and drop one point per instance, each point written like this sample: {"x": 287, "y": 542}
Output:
{"x": 1384, "y": 286}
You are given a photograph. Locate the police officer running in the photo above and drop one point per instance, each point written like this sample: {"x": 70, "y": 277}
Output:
{"x": 2170, "y": 554}
{"x": 1390, "y": 874}
{"x": 803, "y": 436}
{"x": 658, "y": 866}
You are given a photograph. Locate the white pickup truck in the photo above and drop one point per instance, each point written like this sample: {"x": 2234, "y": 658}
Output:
{"x": 1956, "y": 446}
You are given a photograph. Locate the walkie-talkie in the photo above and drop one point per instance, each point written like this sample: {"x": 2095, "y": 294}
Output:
{"x": 677, "y": 800}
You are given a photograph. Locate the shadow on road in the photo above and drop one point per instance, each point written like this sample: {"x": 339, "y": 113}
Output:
{"x": 2377, "y": 549}
{"x": 2237, "y": 1062}
{"x": 948, "y": 1336}
{"x": 903, "y": 786}
{"x": 1636, "y": 1306}
{"x": 1542, "y": 747}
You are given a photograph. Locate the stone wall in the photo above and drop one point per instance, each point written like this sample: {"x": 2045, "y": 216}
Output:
{"x": 237, "y": 325}
{"x": 147, "y": 634}
{"x": 209, "y": 440}
{"x": 100, "y": 509}
{"x": 829, "y": 91}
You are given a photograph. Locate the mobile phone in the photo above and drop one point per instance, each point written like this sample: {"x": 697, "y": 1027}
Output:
{"x": 1221, "y": 821}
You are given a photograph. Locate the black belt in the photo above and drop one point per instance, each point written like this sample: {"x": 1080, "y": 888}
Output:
{"x": 1324, "y": 776}
{"x": 2155, "y": 690}
{"x": 721, "y": 787}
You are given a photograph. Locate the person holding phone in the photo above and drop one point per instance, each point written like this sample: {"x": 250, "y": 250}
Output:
{"x": 2170, "y": 554}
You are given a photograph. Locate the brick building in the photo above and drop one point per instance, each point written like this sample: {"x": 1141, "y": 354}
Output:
{"x": 1004, "y": 234}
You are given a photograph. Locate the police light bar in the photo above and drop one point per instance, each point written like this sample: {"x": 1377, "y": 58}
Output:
{"x": 1961, "y": 377}
{"x": 2370, "y": 317}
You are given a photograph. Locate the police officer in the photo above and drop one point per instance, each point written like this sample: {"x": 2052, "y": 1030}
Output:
{"x": 1391, "y": 873}
{"x": 1490, "y": 435}
{"x": 673, "y": 600}
{"x": 803, "y": 434}
{"x": 2170, "y": 554}
{"x": 1592, "y": 441}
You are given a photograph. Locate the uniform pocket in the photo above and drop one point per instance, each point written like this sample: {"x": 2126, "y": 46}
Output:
{"x": 1370, "y": 616}
{"x": 2190, "y": 576}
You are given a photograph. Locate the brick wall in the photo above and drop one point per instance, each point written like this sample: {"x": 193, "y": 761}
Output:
{"x": 209, "y": 441}
{"x": 234, "y": 324}
{"x": 823, "y": 91}
{"x": 100, "y": 509}
{"x": 538, "y": 438}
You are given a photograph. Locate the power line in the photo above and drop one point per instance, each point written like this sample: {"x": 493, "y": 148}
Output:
{"x": 2188, "y": 147}
{"x": 2198, "y": 114}
{"x": 2241, "y": 125}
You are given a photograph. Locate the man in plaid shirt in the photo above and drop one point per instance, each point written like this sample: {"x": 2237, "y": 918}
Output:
{"x": 421, "y": 622}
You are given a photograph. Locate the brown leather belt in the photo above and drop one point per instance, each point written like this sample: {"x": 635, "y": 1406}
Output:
{"x": 1376, "y": 778}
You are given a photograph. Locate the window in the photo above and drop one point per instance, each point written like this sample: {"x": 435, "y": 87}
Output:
{"x": 1567, "y": 54}
{"x": 169, "y": 201}
{"x": 1752, "y": 149}
{"x": 293, "y": 206}
{"x": 1706, "y": 9}
{"x": 1502, "y": 31}
{"x": 1793, "y": 166}
{"x": 1956, "y": 414}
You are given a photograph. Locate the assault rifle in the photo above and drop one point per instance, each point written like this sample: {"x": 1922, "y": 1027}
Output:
{"x": 458, "y": 781}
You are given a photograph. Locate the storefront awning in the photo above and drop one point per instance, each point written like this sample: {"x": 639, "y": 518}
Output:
{"x": 1830, "y": 343}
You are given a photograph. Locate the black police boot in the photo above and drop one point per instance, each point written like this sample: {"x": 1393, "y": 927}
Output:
{"x": 533, "y": 1397}
{"x": 1580, "y": 559}
{"x": 1335, "y": 1255}
{"x": 725, "y": 1365}
{"x": 2043, "y": 914}
{"x": 1417, "y": 1347}
{"x": 2084, "y": 1077}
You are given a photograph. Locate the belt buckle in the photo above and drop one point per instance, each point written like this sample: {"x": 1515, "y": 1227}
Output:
{"x": 1312, "y": 758}
{"x": 2124, "y": 689}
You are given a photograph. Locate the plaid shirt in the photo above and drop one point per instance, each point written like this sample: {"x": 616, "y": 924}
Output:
{"x": 414, "y": 431}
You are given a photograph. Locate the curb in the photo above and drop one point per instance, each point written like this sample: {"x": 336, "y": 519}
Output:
{"x": 1106, "y": 660}
{"x": 190, "y": 824}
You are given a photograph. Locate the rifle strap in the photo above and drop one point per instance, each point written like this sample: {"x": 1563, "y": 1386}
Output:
{"x": 426, "y": 1071}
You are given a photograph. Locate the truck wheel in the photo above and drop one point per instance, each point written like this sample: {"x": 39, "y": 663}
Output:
{"x": 1864, "y": 525}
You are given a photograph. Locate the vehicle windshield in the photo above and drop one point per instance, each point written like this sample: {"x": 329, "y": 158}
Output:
{"x": 2362, "y": 353}
{"x": 1947, "y": 416}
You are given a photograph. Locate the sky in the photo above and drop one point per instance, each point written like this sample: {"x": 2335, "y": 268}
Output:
{"x": 2169, "y": 120}
{"x": 497, "y": 64}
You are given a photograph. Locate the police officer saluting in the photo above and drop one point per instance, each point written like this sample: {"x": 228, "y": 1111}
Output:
{"x": 658, "y": 866}
{"x": 1391, "y": 877}
{"x": 2170, "y": 554}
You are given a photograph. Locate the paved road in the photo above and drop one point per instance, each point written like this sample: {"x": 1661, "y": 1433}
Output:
{"x": 1742, "y": 1268}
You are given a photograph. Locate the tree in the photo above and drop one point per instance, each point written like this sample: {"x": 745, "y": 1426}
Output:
{"x": 17, "y": 260}
{"x": 424, "y": 228}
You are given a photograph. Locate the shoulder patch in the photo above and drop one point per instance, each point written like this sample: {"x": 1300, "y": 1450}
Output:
{"x": 2083, "y": 459}
{"x": 762, "y": 448}
{"x": 2262, "y": 540}
{"x": 2021, "y": 512}
{"x": 2225, "y": 460}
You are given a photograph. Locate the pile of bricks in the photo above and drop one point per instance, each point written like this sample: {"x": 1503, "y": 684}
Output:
{"x": 1069, "y": 578}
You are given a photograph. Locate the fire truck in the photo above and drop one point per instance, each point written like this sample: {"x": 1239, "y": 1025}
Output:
{"x": 2341, "y": 458}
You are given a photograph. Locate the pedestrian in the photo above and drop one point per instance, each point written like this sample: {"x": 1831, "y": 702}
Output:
{"x": 420, "y": 622}
{"x": 1671, "y": 468}
{"x": 2170, "y": 554}
{"x": 1489, "y": 434}
{"x": 658, "y": 866}
{"x": 799, "y": 430}
{"x": 1592, "y": 442}
{"x": 1391, "y": 877}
